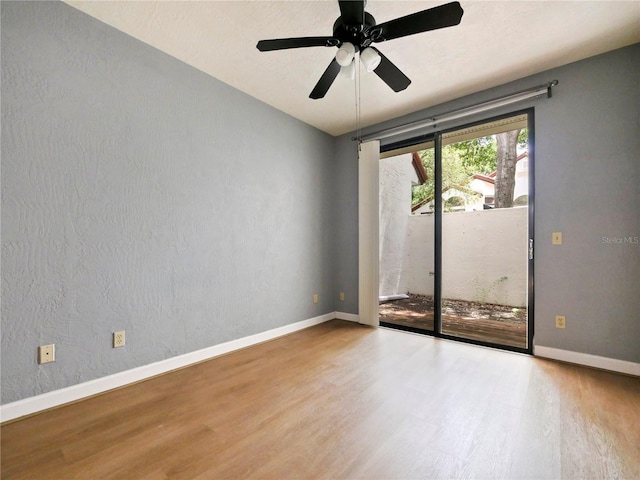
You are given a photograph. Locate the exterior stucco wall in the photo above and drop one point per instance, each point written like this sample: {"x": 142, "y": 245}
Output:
{"x": 484, "y": 256}
{"x": 395, "y": 203}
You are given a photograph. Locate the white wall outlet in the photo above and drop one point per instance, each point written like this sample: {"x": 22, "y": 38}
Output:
{"x": 47, "y": 353}
{"x": 556, "y": 238}
{"x": 342, "y": 296}
{"x": 118, "y": 339}
{"x": 315, "y": 298}
{"x": 561, "y": 321}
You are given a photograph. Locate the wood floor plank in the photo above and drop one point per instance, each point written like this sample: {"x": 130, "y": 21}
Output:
{"x": 342, "y": 401}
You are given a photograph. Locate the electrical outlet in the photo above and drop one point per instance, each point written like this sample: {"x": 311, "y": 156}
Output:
{"x": 556, "y": 238}
{"x": 315, "y": 298}
{"x": 46, "y": 353}
{"x": 118, "y": 339}
{"x": 561, "y": 321}
{"x": 342, "y": 296}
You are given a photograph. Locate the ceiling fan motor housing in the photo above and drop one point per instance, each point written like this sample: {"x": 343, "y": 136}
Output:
{"x": 356, "y": 33}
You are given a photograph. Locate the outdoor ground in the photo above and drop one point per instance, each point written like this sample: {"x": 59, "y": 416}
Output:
{"x": 479, "y": 321}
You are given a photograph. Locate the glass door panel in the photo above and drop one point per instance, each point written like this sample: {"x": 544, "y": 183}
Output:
{"x": 485, "y": 237}
{"x": 406, "y": 272}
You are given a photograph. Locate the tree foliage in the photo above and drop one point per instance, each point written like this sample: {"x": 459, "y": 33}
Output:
{"x": 477, "y": 155}
{"x": 460, "y": 161}
{"x": 455, "y": 175}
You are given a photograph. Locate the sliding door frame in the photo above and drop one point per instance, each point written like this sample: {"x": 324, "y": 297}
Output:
{"x": 437, "y": 233}
{"x": 436, "y": 137}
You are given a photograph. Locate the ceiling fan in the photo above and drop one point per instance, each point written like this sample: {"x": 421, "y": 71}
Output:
{"x": 355, "y": 30}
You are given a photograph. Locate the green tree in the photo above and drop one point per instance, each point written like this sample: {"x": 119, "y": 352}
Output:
{"x": 454, "y": 175}
{"x": 461, "y": 160}
{"x": 477, "y": 155}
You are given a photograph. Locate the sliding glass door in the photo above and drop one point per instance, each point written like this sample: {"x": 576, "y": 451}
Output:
{"x": 455, "y": 230}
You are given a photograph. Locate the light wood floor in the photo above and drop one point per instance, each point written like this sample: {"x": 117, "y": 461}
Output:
{"x": 344, "y": 401}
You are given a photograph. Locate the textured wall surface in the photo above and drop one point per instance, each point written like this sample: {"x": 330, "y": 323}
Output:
{"x": 484, "y": 256}
{"x": 586, "y": 177}
{"x": 395, "y": 208}
{"x": 140, "y": 194}
{"x": 588, "y": 137}
{"x": 346, "y": 224}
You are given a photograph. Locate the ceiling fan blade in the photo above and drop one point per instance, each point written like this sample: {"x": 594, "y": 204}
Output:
{"x": 352, "y": 11}
{"x": 284, "y": 43}
{"x": 390, "y": 74}
{"x": 446, "y": 15}
{"x": 327, "y": 78}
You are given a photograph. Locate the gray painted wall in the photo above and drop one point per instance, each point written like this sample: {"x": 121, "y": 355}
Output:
{"x": 587, "y": 186}
{"x": 138, "y": 193}
{"x": 141, "y": 194}
{"x": 346, "y": 224}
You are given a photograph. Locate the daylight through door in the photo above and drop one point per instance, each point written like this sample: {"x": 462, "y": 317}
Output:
{"x": 454, "y": 234}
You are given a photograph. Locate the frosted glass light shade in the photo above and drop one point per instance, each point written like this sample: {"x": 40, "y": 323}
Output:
{"x": 345, "y": 54}
{"x": 349, "y": 71}
{"x": 370, "y": 59}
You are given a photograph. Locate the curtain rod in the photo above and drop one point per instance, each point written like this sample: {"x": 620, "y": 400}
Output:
{"x": 463, "y": 112}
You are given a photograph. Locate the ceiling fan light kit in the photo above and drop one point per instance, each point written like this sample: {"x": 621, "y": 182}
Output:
{"x": 370, "y": 59}
{"x": 355, "y": 30}
{"x": 345, "y": 54}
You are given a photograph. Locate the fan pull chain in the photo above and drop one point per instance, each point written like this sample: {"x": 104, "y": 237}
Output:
{"x": 358, "y": 97}
{"x": 358, "y": 100}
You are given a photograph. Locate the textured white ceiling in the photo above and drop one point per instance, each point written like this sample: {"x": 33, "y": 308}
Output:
{"x": 495, "y": 43}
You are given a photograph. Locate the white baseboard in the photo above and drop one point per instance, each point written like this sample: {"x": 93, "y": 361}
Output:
{"x": 28, "y": 406}
{"x": 352, "y": 317}
{"x": 586, "y": 359}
